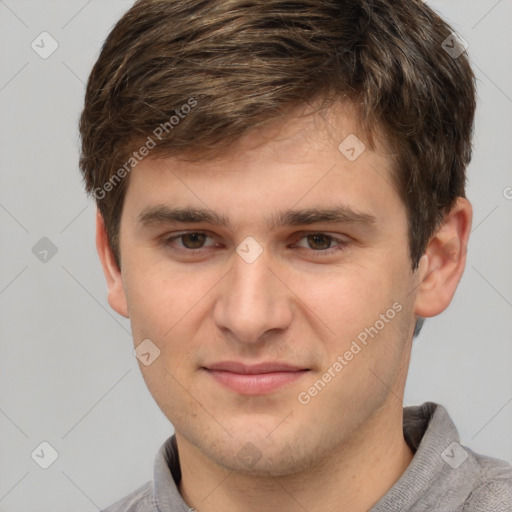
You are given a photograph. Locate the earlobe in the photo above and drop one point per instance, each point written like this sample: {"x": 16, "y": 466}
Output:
{"x": 442, "y": 265}
{"x": 116, "y": 293}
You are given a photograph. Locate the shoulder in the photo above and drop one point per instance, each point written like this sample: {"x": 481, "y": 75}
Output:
{"x": 494, "y": 489}
{"x": 138, "y": 501}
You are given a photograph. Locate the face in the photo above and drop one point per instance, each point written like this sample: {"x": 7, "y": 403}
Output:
{"x": 276, "y": 284}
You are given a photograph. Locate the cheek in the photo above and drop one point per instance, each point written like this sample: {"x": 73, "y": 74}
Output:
{"x": 363, "y": 357}
{"x": 365, "y": 318}
{"x": 160, "y": 297}
{"x": 168, "y": 311}
{"x": 350, "y": 300}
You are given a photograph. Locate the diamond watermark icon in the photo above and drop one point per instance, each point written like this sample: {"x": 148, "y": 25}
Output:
{"x": 249, "y": 454}
{"x": 454, "y": 45}
{"x": 44, "y": 250}
{"x": 44, "y": 455}
{"x": 351, "y": 147}
{"x": 249, "y": 250}
{"x": 454, "y": 455}
{"x": 44, "y": 45}
{"x": 146, "y": 352}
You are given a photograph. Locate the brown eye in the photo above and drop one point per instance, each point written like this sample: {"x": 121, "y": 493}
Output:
{"x": 319, "y": 245}
{"x": 319, "y": 241}
{"x": 193, "y": 240}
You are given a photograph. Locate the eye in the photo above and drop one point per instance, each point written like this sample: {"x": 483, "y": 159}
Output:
{"x": 321, "y": 242}
{"x": 189, "y": 241}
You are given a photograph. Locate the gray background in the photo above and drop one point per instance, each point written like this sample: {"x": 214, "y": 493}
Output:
{"x": 67, "y": 371}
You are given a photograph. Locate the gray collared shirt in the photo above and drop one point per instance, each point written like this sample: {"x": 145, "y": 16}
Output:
{"x": 442, "y": 477}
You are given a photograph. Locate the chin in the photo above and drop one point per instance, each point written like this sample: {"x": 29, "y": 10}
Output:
{"x": 283, "y": 462}
{"x": 261, "y": 454}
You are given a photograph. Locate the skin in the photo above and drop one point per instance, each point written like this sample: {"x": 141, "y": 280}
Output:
{"x": 302, "y": 301}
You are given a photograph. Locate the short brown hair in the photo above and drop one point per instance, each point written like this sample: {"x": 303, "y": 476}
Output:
{"x": 238, "y": 64}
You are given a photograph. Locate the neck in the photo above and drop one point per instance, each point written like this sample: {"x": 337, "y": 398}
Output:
{"x": 352, "y": 478}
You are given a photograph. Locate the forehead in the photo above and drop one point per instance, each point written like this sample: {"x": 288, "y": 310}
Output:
{"x": 300, "y": 130}
{"x": 312, "y": 159}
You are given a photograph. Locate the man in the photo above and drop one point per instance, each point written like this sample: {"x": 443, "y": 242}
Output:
{"x": 280, "y": 190}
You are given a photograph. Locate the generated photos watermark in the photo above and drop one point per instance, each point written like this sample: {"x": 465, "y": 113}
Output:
{"x": 137, "y": 156}
{"x": 305, "y": 397}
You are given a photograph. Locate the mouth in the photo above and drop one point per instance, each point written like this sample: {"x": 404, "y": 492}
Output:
{"x": 259, "y": 379}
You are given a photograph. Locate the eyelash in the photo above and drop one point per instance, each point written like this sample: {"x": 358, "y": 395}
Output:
{"x": 341, "y": 244}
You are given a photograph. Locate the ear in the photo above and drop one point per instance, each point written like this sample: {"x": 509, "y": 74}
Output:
{"x": 116, "y": 293}
{"x": 442, "y": 265}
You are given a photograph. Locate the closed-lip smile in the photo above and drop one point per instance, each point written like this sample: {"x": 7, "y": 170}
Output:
{"x": 255, "y": 379}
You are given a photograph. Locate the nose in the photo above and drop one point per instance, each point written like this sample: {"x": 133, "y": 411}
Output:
{"x": 252, "y": 301}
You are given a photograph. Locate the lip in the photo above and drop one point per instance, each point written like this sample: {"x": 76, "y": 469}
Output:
{"x": 258, "y": 379}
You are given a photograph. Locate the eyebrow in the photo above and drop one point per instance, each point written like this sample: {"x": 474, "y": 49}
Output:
{"x": 162, "y": 214}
